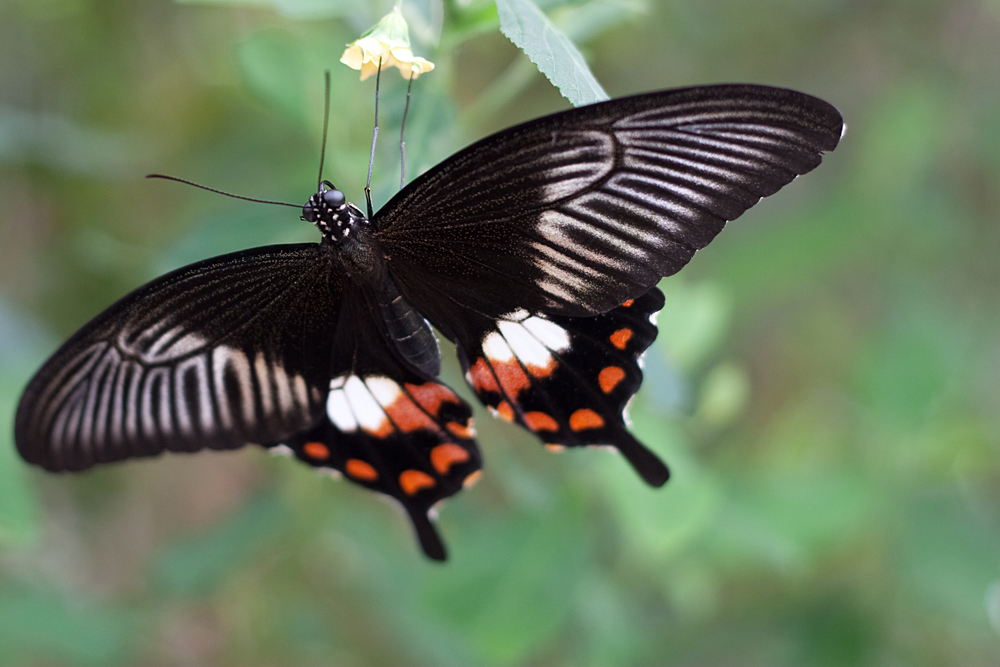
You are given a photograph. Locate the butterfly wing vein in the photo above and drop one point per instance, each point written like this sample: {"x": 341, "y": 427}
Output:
{"x": 196, "y": 359}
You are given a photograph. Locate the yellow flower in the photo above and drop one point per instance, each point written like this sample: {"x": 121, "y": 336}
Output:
{"x": 388, "y": 41}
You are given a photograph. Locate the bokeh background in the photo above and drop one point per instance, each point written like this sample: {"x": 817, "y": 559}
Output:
{"x": 826, "y": 384}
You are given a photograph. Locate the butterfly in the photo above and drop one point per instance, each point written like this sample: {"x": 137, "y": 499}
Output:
{"x": 536, "y": 251}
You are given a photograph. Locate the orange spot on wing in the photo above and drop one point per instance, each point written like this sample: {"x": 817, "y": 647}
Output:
{"x": 359, "y": 469}
{"x": 407, "y": 415}
{"x": 482, "y": 376}
{"x": 505, "y": 411}
{"x": 539, "y": 421}
{"x": 471, "y": 480}
{"x": 443, "y": 457}
{"x": 552, "y": 447}
{"x": 461, "y": 430}
{"x": 431, "y": 395}
{"x": 413, "y": 481}
{"x": 383, "y": 430}
{"x": 584, "y": 419}
{"x": 512, "y": 377}
{"x": 316, "y": 450}
{"x": 542, "y": 371}
{"x": 609, "y": 378}
{"x": 628, "y": 304}
{"x": 621, "y": 338}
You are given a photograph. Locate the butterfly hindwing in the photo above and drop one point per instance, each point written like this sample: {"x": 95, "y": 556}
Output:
{"x": 225, "y": 352}
{"x": 577, "y": 212}
{"x": 390, "y": 427}
{"x": 566, "y": 379}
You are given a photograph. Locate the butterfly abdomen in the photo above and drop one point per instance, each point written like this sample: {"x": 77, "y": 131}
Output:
{"x": 408, "y": 330}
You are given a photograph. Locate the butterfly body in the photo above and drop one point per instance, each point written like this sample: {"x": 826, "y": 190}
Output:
{"x": 536, "y": 251}
{"x": 346, "y": 230}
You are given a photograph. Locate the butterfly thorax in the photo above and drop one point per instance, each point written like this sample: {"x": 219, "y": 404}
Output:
{"x": 346, "y": 228}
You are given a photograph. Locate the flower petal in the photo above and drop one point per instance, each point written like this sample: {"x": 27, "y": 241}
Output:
{"x": 389, "y": 43}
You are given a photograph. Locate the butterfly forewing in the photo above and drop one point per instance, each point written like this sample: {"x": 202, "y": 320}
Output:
{"x": 216, "y": 355}
{"x": 577, "y": 212}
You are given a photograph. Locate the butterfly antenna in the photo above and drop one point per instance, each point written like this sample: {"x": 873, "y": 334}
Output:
{"x": 371, "y": 160}
{"x": 402, "y": 134}
{"x": 221, "y": 192}
{"x": 326, "y": 126}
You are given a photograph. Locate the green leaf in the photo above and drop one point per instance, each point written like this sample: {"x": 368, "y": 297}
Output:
{"x": 523, "y": 23}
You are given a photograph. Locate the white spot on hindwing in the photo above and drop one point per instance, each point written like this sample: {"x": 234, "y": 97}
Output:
{"x": 338, "y": 409}
{"x": 364, "y": 406}
{"x": 353, "y": 402}
{"x": 550, "y": 334}
{"x": 524, "y": 345}
{"x": 495, "y": 348}
{"x": 532, "y": 341}
{"x": 385, "y": 390}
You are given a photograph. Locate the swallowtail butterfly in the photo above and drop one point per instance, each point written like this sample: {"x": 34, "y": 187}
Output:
{"x": 536, "y": 251}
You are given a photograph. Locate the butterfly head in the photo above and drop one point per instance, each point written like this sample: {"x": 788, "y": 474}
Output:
{"x": 332, "y": 214}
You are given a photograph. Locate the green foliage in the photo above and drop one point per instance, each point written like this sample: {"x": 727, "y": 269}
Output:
{"x": 38, "y": 625}
{"x": 550, "y": 49}
{"x": 825, "y": 386}
{"x": 198, "y": 564}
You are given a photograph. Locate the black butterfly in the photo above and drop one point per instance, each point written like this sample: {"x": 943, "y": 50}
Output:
{"x": 536, "y": 251}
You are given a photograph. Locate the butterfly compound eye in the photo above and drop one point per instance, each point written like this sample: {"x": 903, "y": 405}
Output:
{"x": 333, "y": 198}
{"x": 309, "y": 213}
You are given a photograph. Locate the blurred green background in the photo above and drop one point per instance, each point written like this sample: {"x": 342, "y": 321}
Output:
{"x": 825, "y": 387}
